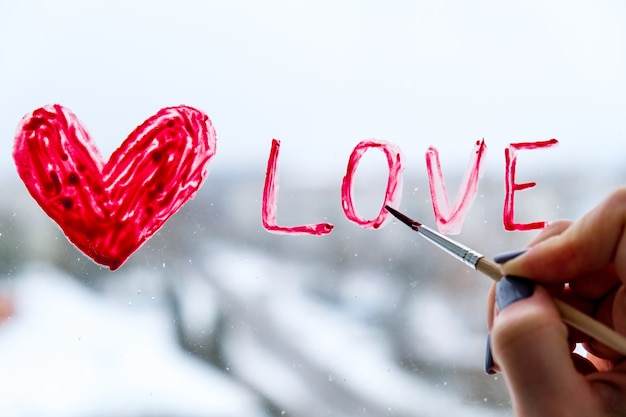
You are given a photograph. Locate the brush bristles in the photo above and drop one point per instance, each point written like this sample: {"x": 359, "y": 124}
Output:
{"x": 404, "y": 219}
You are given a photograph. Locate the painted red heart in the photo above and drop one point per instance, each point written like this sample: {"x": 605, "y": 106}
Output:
{"x": 109, "y": 209}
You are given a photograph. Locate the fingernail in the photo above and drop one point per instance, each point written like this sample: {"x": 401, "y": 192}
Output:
{"x": 490, "y": 365}
{"x": 511, "y": 289}
{"x": 507, "y": 256}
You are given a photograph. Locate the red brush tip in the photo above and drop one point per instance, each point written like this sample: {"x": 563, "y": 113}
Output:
{"x": 404, "y": 219}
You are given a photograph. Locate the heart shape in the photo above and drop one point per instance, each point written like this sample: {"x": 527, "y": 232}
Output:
{"x": 109, "y": 209}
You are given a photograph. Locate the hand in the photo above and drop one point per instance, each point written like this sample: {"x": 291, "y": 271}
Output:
{"x": 584, "y": 264}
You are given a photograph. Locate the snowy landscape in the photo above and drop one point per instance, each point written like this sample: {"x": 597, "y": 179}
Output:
{"x": 216, "y": 317}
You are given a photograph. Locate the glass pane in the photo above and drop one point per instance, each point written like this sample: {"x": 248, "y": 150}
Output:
{"x": 216, "y": 315}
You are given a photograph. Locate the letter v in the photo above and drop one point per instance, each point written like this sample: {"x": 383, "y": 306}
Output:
{"x": 450, "y": 220}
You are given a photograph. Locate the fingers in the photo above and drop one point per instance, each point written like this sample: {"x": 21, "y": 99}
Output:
{"x": 530, "y": 346}
{"x": 619, "y": 310}
{"x": 591, "y": 243}
{"x": 612, "y": 312}
{"x": 555, "y": 228}
{"x": 596, "y": 285}
{"x": 610, "y": 389}
{"x": 584, "y": 264}
{"x": 491, "y": 305}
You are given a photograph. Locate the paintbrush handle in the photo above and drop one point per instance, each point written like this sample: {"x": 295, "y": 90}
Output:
{"x": 491, "y": 269}
{"x": 600, "y": 332}
{"x": 569, "y": 314}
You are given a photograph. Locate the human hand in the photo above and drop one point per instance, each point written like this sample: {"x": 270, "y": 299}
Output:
{"x": 583, "y": 264}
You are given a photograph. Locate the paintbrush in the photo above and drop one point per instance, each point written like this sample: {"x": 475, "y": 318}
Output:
{"x": 477, "y": 261}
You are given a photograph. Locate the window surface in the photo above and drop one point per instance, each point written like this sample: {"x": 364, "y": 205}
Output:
{"x": 215, "y": 315}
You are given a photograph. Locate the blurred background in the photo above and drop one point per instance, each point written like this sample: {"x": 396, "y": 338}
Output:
{"x": 214, "y": 316}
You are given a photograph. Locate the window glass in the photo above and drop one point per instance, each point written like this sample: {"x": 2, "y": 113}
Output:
{"x": 217, "y": 315}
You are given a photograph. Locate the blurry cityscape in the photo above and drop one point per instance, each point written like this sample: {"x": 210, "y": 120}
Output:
{"x": 214, "y": 316}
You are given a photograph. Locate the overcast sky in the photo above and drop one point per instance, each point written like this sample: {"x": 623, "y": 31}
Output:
{"x": 321, "y": 76}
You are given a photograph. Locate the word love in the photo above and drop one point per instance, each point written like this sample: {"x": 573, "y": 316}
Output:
{"x": 109, "y": 209}
{"x": 449, "y": 217}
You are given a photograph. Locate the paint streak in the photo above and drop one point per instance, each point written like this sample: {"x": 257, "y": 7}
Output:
{"x": 450, "y": 219}
{"x": 510, "y": 156}
{"x": 109, "y": 209}
{"x": 394, "y": 180}
{"x": 270, "y": 202}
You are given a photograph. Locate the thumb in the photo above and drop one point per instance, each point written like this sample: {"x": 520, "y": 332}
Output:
{"x": 530, "y": 346}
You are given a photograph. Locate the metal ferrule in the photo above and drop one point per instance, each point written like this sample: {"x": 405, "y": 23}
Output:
{"x": 461, "y": 252}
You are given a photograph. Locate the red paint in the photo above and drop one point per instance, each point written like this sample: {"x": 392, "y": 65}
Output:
{"x": 392, "y": 193}
{"x": 270, "y": 202}
{"x": 450, "y": 219}
{"x": 109, "y": 209}
{"x": 510, "y": 156}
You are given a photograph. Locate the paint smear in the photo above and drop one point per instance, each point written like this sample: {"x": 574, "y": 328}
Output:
{"x": 510, "y": 156}
{"x": 450, "y": 219}
{"x": 270, "y": 202}
{"x": 109, "y": 209}
{"x": 394, "y": 181}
